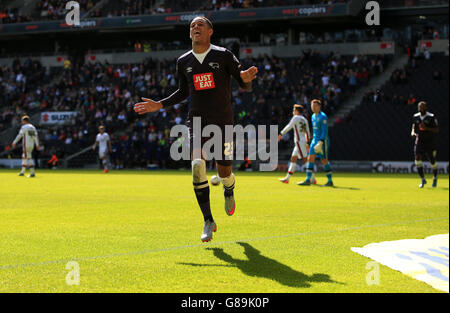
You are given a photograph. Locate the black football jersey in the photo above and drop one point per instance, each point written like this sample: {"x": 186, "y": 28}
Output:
{"x": 208, "y": 84}
{"x": 429, "y": 120}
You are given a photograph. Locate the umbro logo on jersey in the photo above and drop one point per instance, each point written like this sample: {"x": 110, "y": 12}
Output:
{"x": 214, "y": 65}
{"x": 204, "y": 81}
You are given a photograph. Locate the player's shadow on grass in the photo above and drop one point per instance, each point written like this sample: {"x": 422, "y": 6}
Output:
{"x": 259, "y": 265}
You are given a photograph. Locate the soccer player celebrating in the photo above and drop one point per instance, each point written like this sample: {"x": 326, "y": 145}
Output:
{"x": 301, "y": 139}
{"x": 319, "y": 146}
{"x": 425, "y": 130}
{"x": 104, "y": 148}
{"x": 204, "y": 75}
{"x": 29, "y": 136}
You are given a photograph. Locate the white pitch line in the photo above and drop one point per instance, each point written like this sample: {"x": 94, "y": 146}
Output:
{"x": 143, "y": 252}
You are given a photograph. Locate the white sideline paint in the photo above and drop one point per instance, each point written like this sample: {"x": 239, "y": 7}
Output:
{"x": 422, "y": 259}
{"x": 202, "y": 245}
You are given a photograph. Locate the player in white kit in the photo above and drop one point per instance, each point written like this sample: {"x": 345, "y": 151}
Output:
{"x": 29, "y": 136}
{"x": 302, "y": 135}
{"x": 104, "y": 143}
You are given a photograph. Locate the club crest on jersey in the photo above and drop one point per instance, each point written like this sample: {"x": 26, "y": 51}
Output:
{"x": 214, "y": 65}
{"x": 204, "y": 81}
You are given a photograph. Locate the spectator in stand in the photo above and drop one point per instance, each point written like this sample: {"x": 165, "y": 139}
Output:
{"x": 138, "y": 47}
{"x": 352, "y": 81}
{"x": 53, "y": 162}
{"x": 363, "y": 76}
{"x": 412, "y": 100}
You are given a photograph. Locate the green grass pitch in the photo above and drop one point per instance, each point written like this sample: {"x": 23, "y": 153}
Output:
{"x": 137, "y": 231}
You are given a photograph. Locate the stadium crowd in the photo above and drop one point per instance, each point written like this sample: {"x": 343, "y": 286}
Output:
{"x": 56, "y": 9}
{"x": 20, "y": 85}
{"x": 393, "y": 92}
{"x": 216, "y": 5}
{"x": 388, "y": 112}
{"x": 45, "y": 10}
{"x": 104, "y": 94}
{"x": 10, "y": 15}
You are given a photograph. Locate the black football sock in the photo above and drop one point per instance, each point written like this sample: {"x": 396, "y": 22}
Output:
{"x": 201, "y": 188}
{"x": 421, "y": 172}
{"x": 204, "y": 203}
{"x": 435, "y": 173}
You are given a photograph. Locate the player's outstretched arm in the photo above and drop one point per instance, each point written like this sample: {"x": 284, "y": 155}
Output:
{"x": 148, "y": 106}
{"x": 249, "y": 75}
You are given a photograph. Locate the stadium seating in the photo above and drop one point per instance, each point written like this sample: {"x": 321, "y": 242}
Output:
{"x": 9, "y": 13}
{"x": 381, "y": 130}
{"x": 105, "y": 94}
{"x": 44, "y": 10}
{"x": 132, "y": 7}
{"x": 22, "y": 89}
{"x": 180, "y": 6}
